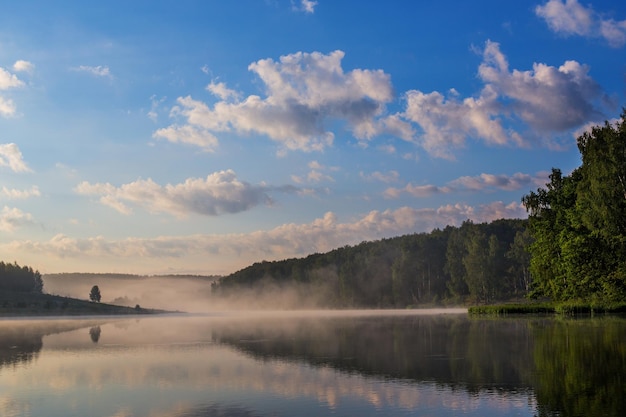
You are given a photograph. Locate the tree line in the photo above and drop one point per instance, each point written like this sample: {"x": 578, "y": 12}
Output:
{"x": 20, "y": 278}
{"x": 474, "y": 262}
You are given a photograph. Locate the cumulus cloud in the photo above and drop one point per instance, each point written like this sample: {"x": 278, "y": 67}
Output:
{"x": 98, "y": 71}
{"x": 547, "y": 99}
{"x": 23, "y": 66}
{"x": 14, "y": 194}
{"x": 304, "y": 92}
{"x": 12, "y": 218}
{"x": 287, "y": 240}
{"x": 571, "y": 18}
{"x": 8, "y": 81}
{"x": 219, "y": 193}
{"x": 307, "y": 96}
{"x": 482, "y": 182}
{"x": 10, "y": 156}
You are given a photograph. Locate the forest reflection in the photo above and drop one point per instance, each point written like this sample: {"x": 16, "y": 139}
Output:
{"x": 22, "y": 340}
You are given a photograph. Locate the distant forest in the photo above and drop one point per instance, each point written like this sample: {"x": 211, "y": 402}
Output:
{"x": 473, "y": 262}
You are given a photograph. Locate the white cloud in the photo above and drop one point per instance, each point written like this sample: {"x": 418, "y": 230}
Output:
{"x": 13, "y": 194}
{"x": 287, "y": 240}
{"x": 304, "y": 92}
{"x": 98, "y": 71}
{"x": 307, "y": 6}
{"x": 12, "y": 218}
{"x": 220, "y": 90}
{"x": 571, "y": 18}
{"x": 23, "y": 66}
{"x": 448, "y": 122}
{"x": 220, "y": 193}
{"x": 190, "y": 135}
{"x": 547, "y": 99}
{"x": 8, "y": 80}
{"x": 7, "y": 107}
{"x": 10, "y": 156}
{"x": 614, "y": 32}
{"x": 501, "y": 182}
{"x": 316, "y": 174}
{"x": 482, "y": 182}
{"x": 307, "y": 93}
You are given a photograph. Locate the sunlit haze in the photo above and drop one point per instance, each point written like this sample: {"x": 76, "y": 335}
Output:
{"x": 198, "y": 137}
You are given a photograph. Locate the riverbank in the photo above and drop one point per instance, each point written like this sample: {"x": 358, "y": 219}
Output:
{"x": 16, "y": 304}
{"x": 563, "y": 308}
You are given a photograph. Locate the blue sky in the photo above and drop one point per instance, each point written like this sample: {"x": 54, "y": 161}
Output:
{"x": 202, "y": 136}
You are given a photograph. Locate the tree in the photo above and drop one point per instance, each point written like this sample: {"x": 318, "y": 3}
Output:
{"x": 20, "y": 278}
{"x": 578, "y": 222}
{"x": 94, "y": 295}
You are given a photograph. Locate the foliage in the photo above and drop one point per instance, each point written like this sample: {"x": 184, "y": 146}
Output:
{"x": 19, "y": 278}
{"x": 473, "y": 262}
{"x": 95, "y": 295}
{"x": 578, "y": 222}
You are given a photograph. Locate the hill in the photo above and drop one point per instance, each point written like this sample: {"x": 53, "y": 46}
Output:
{"x": 36, "y": 304}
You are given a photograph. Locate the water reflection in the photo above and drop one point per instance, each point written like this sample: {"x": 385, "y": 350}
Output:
{"x": 21, "y": 340}
{"x": 357, "y": 365}
{"x": 94, "y": 333}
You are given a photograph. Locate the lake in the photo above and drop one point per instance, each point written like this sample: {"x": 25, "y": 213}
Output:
{"x": 404, "y": 363}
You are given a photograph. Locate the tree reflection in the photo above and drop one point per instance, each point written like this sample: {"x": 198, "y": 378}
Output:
{"x": 22, "y": 341}
{"x": 574, "y": 367}
{"x": 581, "y": 368}
{"x": 18, "y": 345}
{"x": 94, "y": 333}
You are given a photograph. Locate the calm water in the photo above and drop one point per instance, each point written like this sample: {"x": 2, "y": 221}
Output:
{"x": 309, "y": 365}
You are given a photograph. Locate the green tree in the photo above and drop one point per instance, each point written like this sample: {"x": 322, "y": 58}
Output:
{"x": 578, "y": 222}
{"x": 519, "y": 256}
{"x": 95, "y": 295}
{"x": 455, "y": 252}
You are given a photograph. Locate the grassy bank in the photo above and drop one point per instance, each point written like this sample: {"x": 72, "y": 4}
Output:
{"x": 30, "y": 304}
{"x": 569, "y": 308}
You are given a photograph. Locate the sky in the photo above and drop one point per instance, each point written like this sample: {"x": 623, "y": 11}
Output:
{"x": 199, "y": 137}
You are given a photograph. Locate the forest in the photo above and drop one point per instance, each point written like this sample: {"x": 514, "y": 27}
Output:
{"x": 473, "y": 262}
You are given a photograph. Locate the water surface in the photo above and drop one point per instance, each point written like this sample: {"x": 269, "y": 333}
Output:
{"x": 305, "y": 364}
